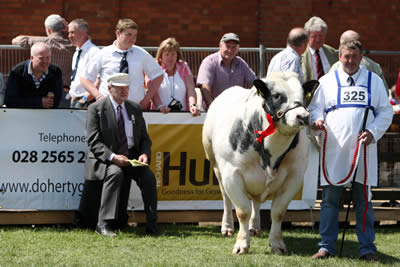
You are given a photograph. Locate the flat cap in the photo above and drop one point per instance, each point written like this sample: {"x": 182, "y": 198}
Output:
{"x": 118, "y": 79}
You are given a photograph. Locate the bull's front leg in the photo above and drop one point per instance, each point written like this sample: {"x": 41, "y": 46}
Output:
{"x": 278, "y": 209}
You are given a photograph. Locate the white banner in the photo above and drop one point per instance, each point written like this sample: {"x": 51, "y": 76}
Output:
{"x": 42, "y": 157}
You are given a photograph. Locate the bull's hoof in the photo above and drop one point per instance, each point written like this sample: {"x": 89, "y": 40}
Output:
{"x": 255, "y": 232}
{"x": 228, "y": 233}
{"x": 240, "y": 251}
{"x": 279, "y": 251}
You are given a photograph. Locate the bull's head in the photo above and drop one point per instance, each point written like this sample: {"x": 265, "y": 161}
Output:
{"x": 283, "y": 100}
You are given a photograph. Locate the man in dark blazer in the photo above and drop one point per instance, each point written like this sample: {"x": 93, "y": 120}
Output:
{"x": 113, "y": 140}
{"x": 34, "y": 83}
{"x": 316, "y": 29}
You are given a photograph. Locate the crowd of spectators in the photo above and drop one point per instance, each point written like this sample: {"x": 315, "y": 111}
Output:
{"x": 170, "y": 85}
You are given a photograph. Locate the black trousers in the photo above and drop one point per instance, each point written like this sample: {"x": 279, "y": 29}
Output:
{"x": 109, "y": 198}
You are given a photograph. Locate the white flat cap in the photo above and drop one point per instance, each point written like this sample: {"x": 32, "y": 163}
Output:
{"x": 118, "y": 79}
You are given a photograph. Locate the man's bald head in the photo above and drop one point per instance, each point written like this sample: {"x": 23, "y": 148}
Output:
{"x": 297, "y": 36}
{"x": 349, "y": 36}
{"x": 39, "y": 47}
{"x": 297, "y": 39}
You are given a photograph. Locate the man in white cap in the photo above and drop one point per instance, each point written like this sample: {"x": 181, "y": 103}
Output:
{"x": 116, "y": 132}
{"x": 224, "y": 69}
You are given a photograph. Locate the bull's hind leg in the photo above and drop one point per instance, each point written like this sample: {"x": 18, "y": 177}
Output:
{"x": 255, "y": 221}
{"x": 227, "y": 225}
{"x": 235, "y": 190}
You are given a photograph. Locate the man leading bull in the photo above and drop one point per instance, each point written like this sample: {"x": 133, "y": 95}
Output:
{"x": 339, "y": 106}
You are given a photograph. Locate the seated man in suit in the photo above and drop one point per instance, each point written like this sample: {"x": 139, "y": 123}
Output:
{"x": 117, "y": 131}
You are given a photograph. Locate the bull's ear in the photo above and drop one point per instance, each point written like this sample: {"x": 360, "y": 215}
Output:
{"x": 262, "y": 89}
{"x": 309, "y": 87}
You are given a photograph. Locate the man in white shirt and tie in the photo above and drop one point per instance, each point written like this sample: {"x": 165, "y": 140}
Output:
{"x": 113, "y": 59}
{"x": 78, "y": 34}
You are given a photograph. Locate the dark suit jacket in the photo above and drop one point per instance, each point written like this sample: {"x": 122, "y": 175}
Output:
{"x": 306, "y": 61}
{"x": 103, "y": 137}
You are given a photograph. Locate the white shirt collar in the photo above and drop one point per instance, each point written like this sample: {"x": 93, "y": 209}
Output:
{"x": 30, "y": 70}
{"x": 85, "y": 46}
{"x": 115, "y": 104}
{"x": 116, "y": 49}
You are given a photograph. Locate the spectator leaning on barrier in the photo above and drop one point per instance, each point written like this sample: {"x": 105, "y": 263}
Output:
{"x": 318, "y": 57}
{"x": 366, "y": 61}
{"x": 124, "y": 56}
{"x": 34, "y": 83}
{"x": 78, "y": 34}
{"x": 117, "y": 131}
{"x": 176, "y": 91}
{"x": 339, "y": 106}
{"x": 224, "y": 69}
{"x": 55, "y": 27}
{"x": 289, "y": 58}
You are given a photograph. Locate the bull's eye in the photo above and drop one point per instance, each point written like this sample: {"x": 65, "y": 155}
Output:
{"x": 276, "y": 97}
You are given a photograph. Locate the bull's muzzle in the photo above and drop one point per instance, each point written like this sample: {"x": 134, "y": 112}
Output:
{"x": 304, "y": 119}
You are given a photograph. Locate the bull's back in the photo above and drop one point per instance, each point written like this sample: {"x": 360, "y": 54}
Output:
{"x": 220, "y": 116}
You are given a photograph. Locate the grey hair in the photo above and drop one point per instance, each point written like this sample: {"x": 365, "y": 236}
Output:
{"x": 81, "y": 24}
{"x": 352, "y": 44}
{"x": 315, "y": 24}
{"x": 54, "y": 23}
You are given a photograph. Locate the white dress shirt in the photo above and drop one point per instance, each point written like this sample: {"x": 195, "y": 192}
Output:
{"x": 107, "y": 62}
{"x": 324, "y": 59}
{"x": 88, "y": 50}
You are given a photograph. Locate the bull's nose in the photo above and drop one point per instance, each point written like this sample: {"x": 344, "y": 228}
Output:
{"x": 303, "y": 119}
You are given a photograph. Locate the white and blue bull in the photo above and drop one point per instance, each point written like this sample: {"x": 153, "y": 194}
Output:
{"x": 250, "y": 167}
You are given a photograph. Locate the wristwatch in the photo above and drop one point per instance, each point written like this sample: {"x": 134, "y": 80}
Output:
{"x": 84, "y": 99}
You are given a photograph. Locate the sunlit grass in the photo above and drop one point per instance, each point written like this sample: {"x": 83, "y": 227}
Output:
{"x": 180, "y": 245}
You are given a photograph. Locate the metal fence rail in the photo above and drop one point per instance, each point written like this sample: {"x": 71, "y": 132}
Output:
{"x": 257, "y": 58}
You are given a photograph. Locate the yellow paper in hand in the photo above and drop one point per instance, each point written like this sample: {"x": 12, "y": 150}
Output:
{"x": 136, "y": 163}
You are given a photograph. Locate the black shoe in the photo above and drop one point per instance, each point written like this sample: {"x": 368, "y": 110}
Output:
{"x": 152, "y": 230}
{"x": 369, "y": 257}
{"x": 105, "y": 231}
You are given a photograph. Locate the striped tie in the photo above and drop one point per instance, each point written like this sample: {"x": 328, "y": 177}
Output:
{"x": 123, "y": 65}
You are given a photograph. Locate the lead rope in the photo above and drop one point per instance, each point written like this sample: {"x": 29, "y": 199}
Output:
{"x": 353, "y": 164}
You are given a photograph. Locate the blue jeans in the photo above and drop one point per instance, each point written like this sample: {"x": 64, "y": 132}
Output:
{"x": 329, "y": 226}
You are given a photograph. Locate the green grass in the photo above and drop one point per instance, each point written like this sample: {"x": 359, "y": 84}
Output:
{"x": 181, "y": 245}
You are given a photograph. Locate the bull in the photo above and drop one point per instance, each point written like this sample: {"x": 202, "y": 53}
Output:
{"x": 253, "y": 165}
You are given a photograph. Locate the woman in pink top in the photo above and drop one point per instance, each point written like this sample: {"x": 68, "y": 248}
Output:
{"x": 178, "y": 85}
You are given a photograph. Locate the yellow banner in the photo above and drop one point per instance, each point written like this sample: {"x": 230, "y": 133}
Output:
{"x": 180, "y": 165}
